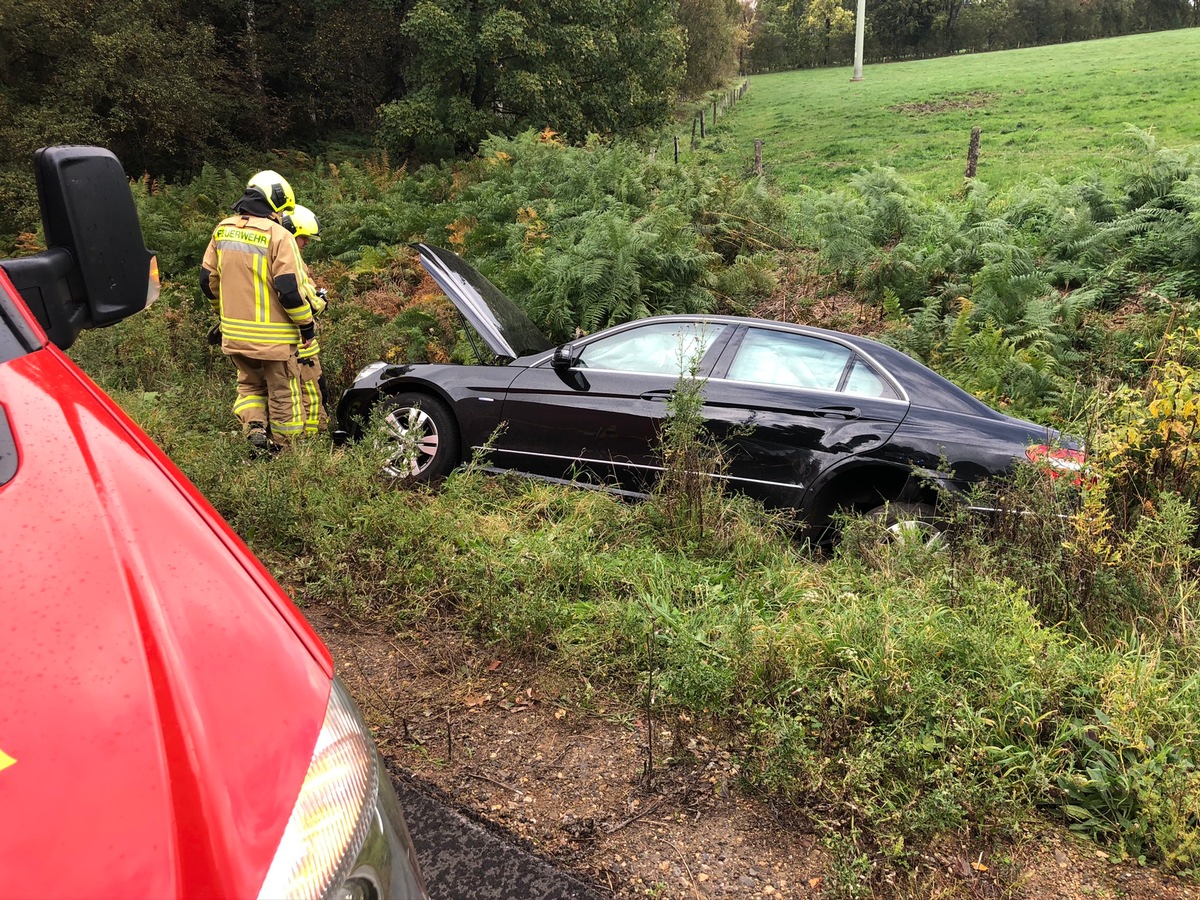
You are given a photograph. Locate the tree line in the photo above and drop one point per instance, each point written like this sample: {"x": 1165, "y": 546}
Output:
{"x": 170, "y": 85}
{"x": 793, "y": 34}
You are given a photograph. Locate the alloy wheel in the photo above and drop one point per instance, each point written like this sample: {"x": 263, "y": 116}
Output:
{"x": 415, "y": 436}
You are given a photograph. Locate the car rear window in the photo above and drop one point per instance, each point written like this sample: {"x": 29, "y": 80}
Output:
{"x": 864, "y": 381}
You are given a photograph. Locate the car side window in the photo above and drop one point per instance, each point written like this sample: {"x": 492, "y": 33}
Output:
{"x": 663, "y": 348}
{"x": 865, "y": 382}
{"x": 798, "y": 360}
{"x": 793, "y": 360}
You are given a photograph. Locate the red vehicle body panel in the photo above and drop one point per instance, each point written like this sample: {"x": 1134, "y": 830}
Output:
{"x": 161, "y": 694}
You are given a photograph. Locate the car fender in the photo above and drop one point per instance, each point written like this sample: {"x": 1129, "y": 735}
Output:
{"x": 474, "y": 394}
{"x": 405, "y": 384}
{"x": 895, "y": 479}
{"x": 160, "y": 686}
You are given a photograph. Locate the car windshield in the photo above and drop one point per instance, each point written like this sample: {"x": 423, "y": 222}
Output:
{"x": 16, "y": 339}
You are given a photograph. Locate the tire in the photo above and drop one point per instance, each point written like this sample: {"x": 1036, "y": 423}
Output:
{"x": 423, "y": 439}
{"x": 910, "y": 524}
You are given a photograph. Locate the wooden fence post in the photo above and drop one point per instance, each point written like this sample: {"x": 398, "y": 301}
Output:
{"x": 973, "y": 152}
{"x": 701, "y": 124}
{"x": 758, "y": 158}
{"x": 714, "y": 121}
{"x": 676, "y": 149}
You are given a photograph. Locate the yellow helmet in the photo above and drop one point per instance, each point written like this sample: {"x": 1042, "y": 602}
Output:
{"x": 274, "y": 189}
{"x": 302, "y": 223}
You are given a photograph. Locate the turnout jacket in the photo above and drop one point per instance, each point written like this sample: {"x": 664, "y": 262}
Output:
{"x": 315, "y": 302}
{"x": 253, "y": 276}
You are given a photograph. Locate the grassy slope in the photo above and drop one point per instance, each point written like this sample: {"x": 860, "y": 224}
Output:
{"x": 1044, "y": 111}
{"x": 912, "y": 695}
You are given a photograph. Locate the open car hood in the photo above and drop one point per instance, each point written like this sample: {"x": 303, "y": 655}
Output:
{"x": 506, "y": 330}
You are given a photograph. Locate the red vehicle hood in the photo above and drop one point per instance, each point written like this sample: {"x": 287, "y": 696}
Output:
{"x": 161, "y": 697}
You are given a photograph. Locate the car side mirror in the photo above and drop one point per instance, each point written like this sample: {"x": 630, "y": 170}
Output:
{"x": 565, "y": 357}
{"x": 96, "y": 269}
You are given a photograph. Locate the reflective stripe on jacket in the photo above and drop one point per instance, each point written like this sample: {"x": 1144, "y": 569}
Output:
{"x": 252, "y": 264}
{"x": 308, "y": 291}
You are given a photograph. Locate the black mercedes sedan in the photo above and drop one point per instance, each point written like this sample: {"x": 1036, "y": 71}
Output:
{"x": 810, "y": 420}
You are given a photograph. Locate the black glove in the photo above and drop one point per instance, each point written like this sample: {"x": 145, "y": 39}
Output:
{"x": 214, "y": 334}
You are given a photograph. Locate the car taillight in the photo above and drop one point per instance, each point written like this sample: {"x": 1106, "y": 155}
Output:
{"x": 1057, "y": 460}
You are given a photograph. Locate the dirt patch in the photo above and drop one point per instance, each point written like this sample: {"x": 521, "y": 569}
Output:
{"x": 973, "y": 100}
{"x": 805, "y": 296}
{"x": 496, "y": 737}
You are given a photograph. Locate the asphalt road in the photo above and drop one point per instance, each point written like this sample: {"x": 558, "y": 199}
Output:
{"x": 461, "y": 860}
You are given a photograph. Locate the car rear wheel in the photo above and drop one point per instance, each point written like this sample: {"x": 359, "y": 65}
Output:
{"x": 422, "y": 436}
{"x": 909, "y": 524}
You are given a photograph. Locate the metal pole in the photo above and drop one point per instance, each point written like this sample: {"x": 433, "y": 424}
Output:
{"x": 859, "y": 27}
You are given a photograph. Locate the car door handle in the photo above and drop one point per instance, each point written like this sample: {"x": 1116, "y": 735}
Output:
{"x": 837, "y": 412}
{"x": 664, "y": 394}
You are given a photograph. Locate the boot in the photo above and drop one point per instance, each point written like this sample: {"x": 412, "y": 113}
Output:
{"x": 256, "y": 434}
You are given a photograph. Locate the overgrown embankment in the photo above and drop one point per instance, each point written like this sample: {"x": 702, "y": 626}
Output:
{"x": 1040, "y": 665}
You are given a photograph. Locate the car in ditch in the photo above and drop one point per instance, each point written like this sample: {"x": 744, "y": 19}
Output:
{"x": 810, "y": 420}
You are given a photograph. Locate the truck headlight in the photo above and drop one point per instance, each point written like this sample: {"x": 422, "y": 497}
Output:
{"x": 335, "y": 810}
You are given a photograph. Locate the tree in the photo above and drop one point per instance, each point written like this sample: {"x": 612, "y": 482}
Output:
{"x": 828, "y": 19}
{"x": 985, "y": 26}
{"x": 902, "y": 25}
{"x": 309, "y": 67}
{"x": 573, "y": 66}
{"x": 134, "y": 75}
{"x": 786, "y": 36}
{"x": 743, "y": 36}
{"x": 710, "y": 30}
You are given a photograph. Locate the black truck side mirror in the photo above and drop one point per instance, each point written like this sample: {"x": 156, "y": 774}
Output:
{"x": 96, "y": 269}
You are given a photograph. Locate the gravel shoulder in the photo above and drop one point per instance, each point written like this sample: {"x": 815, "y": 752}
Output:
{"x": 492, "y": 738}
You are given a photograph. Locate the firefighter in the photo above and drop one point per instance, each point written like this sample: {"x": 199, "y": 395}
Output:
{"x": 252, "y": 275}
{"x": 302, "y": 223}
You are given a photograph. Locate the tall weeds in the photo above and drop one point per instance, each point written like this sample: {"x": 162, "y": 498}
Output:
{"x": 1045, "y": 663}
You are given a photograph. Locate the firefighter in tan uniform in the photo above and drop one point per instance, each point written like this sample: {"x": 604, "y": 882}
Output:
{"x": 302, "y": 223}
{"x": 252, "y": 276}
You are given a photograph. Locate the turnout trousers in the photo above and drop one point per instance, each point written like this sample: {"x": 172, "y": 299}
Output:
{"x": 312, "y": 392}
{"x": 270, "y": 393}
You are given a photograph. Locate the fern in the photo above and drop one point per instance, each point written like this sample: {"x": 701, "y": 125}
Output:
{"x": 1149, "y": 173}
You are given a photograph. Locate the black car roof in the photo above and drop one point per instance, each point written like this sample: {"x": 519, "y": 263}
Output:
{"x": 924, "y": 386}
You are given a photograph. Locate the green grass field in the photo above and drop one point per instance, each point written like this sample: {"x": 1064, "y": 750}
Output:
{"x": 1054, "y": 111}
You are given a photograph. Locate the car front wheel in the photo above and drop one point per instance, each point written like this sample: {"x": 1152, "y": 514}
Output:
{"x": 423, "y": 441}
